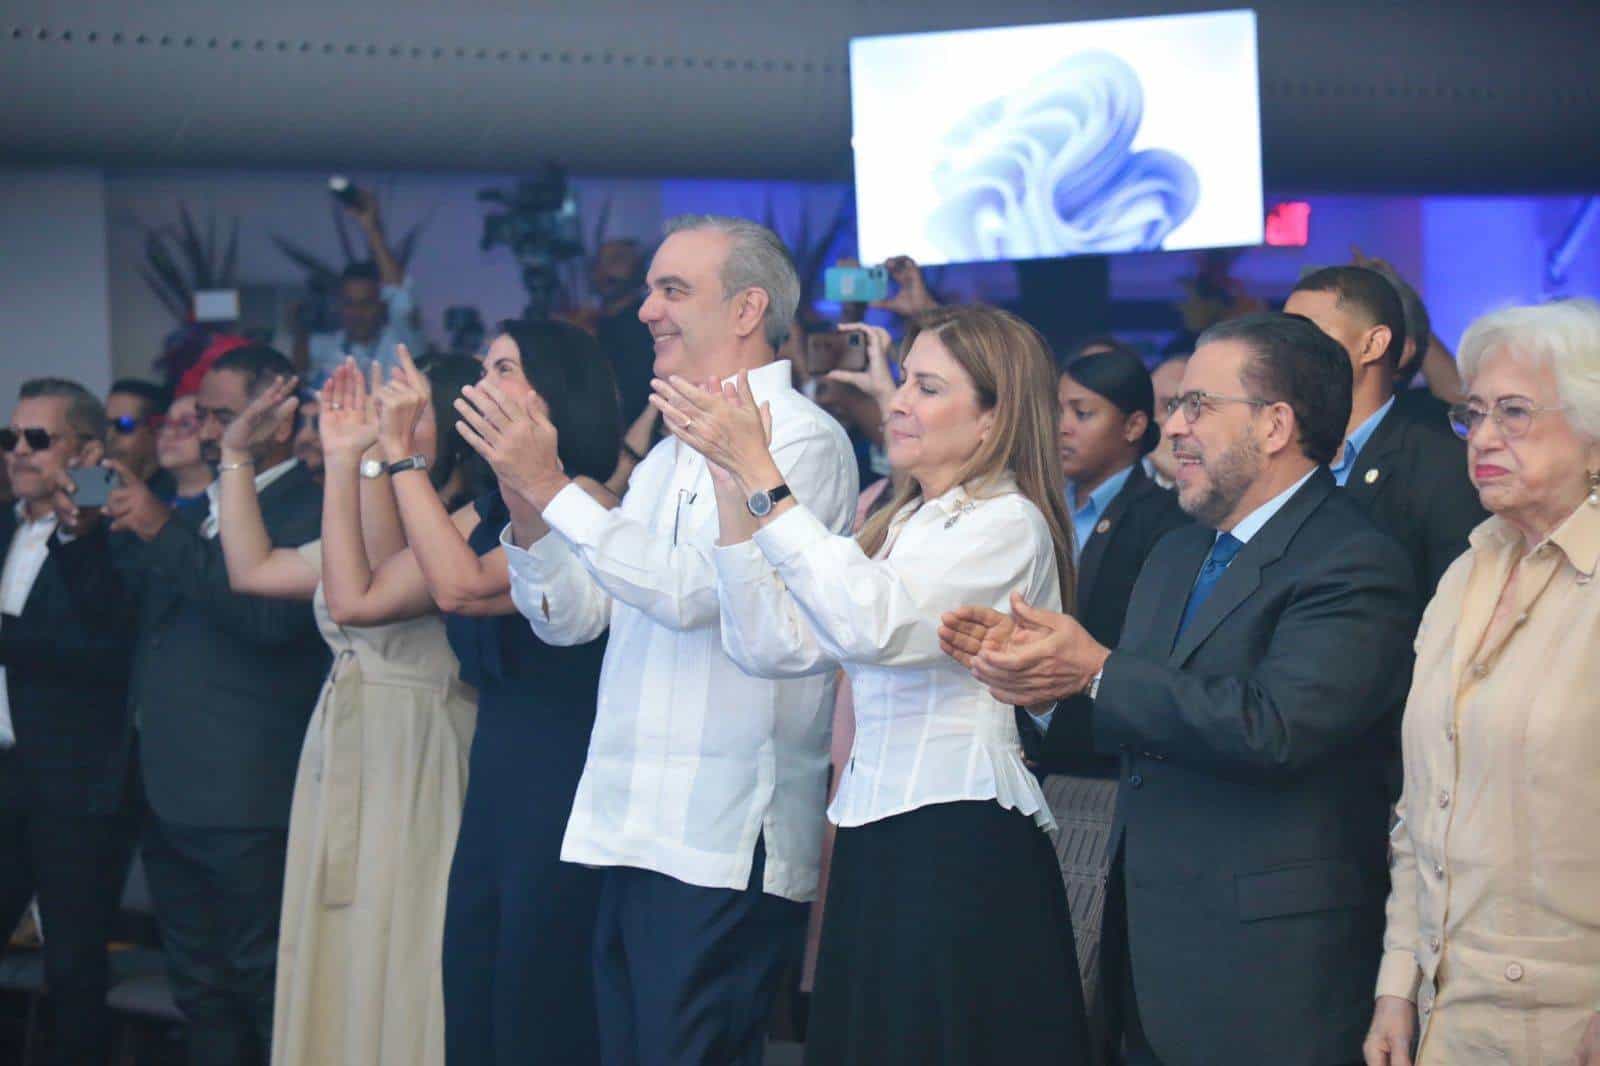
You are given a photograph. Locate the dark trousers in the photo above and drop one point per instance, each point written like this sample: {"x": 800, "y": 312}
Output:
{"x": 75, "y": 864}
{"x": 687, "y": 975}
{"x": 1125, "y": 1039}
{"x": 217, "y": 895}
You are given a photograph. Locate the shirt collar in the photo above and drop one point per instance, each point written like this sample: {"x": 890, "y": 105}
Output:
{"x": 24, "y": 522}
{"x": 768, "y": 380}
{"x": 1578, "y": 537}
{"x": 1363, "y": 433}
{"x": 1251, "y": 524}
{"x": 960, "y": 498}
{"x": 1103, "y": 494}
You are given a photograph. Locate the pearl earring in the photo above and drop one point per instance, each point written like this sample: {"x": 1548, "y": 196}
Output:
{"x": 1594, "y": 488}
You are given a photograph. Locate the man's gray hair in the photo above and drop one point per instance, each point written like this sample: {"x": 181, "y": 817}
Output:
{"x": 757, "y": 259}
{"x": 1564, "y": 334}
{"x": 86, "y": 415}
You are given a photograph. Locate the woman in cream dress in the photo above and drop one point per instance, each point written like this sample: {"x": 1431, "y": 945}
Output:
{"x": 378, "y": 796}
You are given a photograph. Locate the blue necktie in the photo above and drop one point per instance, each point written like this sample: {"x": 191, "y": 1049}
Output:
{"x": 1222, "y": 553}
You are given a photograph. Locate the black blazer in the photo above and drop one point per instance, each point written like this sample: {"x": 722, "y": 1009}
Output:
{"x": 1411, "y": 479}
{"x": 1139, "y": 516}
{"x": 224, "y": 684}
{"x": 1253, "y": 811}
{"x": 66, "y": 658}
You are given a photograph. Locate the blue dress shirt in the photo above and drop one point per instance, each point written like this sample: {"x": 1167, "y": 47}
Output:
{"x": 1085, "y": 517}
{"x": 1355, "y": 442}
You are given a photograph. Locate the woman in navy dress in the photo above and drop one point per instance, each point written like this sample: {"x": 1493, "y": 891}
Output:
{"x": 518, "y": 981}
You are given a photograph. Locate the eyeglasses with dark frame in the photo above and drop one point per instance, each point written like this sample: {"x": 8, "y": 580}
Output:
{"x": 1512, "y": 414}
{"x": 1198, "y": 402}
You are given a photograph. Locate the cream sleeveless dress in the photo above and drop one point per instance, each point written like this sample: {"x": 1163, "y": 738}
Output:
{"x": 372, "y": 829}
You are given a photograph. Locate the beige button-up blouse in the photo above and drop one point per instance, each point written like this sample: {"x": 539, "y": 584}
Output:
{"x": 1494, "y": 915}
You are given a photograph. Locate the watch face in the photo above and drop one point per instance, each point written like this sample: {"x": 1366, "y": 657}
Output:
{"x": 760, "y": 504}
{"x": 371, "y": 468}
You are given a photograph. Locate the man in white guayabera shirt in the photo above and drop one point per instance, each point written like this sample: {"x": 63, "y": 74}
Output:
{"x": 704, "y": 789}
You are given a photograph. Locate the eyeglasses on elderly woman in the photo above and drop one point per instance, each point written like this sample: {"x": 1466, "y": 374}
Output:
{"x": 1512, "y": 414}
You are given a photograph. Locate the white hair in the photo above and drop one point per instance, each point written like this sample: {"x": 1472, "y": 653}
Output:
{"x": 757, "y": 259}
{"x": 1562, "y": 334}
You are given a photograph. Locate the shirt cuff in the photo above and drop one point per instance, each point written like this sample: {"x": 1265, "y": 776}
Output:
{"x": 576, "y": 515}
{"x": 535, "y": 563}
{"x": 398, "y": 297}
{"x": 740, "y": 564}
{"x": 791, "y": 533}
{"x": 1399, "y": 975}
{"x": 1043, "y": 720}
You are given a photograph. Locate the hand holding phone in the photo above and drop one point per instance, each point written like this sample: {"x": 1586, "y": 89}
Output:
{"x": 858, "y": 285}
{"x": 92, "y": 486}
{"x": 827, "y": 352}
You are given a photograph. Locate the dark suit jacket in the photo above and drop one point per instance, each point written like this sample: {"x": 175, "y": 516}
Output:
{"x": 1139, "y": 516}
{"x": 224, "y": 684}
{"x": 1253, "y": 811}
{"x": 1412, "y": 481}
{"x": 66, "y": 658}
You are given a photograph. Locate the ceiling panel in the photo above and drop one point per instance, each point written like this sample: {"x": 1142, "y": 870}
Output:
{"x": 1355, "y": 96}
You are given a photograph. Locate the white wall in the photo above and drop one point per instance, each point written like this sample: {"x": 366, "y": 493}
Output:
{"x": 54, "y": 311}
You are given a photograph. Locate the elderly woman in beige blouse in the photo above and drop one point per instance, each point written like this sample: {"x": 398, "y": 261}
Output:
{"x": 1492, "y": 952}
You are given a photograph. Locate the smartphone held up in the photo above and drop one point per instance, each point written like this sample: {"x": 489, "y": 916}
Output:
{"x": 93, "y": 486}
{"x": 835, "y": 351}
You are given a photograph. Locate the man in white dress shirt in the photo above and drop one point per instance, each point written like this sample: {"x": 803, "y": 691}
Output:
{"x": 703, "y": 793}
{"x": 66, "y": 747}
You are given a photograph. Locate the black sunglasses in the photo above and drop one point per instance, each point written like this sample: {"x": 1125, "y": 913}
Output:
{"x": 38, "y": 439}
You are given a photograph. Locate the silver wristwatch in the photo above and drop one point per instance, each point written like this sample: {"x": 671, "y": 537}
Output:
{"x": 1094, "y": 685}
{"x": 373, "y": 469}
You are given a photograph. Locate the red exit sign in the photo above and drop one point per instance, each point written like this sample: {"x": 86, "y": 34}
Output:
{"x": 1289, "y": 224}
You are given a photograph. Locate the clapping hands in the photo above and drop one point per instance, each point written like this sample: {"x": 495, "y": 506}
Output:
{"x": 1028, "y": 658}
{"x": 723, "y": 422}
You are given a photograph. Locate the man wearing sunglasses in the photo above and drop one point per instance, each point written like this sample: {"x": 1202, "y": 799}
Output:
{"x": 134, "y": 410}
{"x": 65, "y": 736}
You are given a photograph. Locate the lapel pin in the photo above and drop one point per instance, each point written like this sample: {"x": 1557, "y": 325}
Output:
{"x": 1372, "y": 476}
{"x": 1104, "y": 526}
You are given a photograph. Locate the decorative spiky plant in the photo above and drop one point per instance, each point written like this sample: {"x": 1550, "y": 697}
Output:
{"x": 178, "y": 261}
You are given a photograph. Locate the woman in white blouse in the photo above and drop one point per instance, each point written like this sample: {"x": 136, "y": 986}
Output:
{"x": 947, "y": 938}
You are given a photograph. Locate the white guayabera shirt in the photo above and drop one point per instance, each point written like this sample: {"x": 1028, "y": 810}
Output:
{"x": 691, "y": 760}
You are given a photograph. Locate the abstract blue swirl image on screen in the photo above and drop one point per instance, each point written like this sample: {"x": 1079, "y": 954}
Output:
{"x": 1048, "y": 171}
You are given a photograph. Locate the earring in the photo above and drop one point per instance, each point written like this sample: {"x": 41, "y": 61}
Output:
{"x": 1594, "y": 488}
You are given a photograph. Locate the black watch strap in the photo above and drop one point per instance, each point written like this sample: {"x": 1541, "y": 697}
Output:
{"x": 410, "y": 462}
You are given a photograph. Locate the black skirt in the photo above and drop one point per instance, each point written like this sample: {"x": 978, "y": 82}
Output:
{"x": 946, "y": 940}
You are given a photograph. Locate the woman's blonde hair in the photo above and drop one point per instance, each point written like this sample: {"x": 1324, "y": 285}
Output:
{"x": 1014, "y": 376}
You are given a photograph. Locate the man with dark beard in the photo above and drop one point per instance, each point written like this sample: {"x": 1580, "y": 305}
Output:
{"x": 1249, "y": 699}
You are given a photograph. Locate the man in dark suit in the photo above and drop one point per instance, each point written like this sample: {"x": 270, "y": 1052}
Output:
{"x": 1401, "y": 464}
{"x": 65, "y": 740}
{"x": 223, "y": 686}
{"x": 1264, "y": 651}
